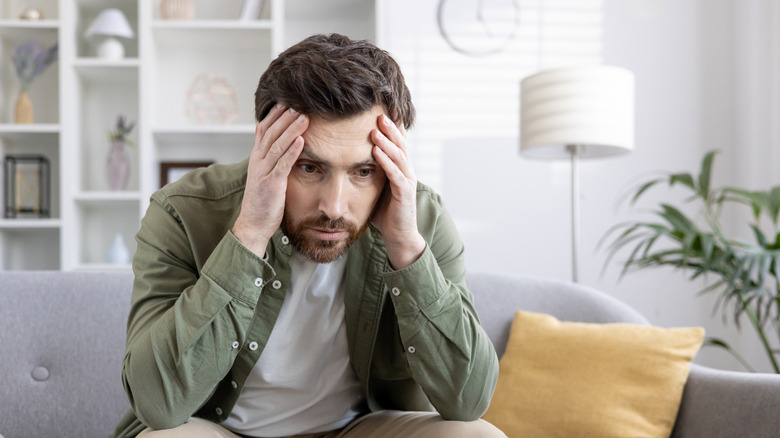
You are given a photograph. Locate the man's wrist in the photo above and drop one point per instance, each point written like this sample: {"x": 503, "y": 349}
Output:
{"x": 406, "y": 254}
{"x": 250, "y": 241}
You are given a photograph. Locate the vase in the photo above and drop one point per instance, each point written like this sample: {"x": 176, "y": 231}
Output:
{"x": 23, "y": 110}
{"x": 177, "y": 9}
{"x": 118, "y": 166}
{"x": 118, "y": 254}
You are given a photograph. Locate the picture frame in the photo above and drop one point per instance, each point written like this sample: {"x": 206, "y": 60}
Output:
{"x": 171, "y": 171}
{"x": 27, "y": 186}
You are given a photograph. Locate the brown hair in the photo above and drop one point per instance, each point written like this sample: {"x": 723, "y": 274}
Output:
{"x": 333, "y": 76}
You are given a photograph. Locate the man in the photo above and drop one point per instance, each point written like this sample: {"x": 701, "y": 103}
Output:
{"x": 315, "y": 289}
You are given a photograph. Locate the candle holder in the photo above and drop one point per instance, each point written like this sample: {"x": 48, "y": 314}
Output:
{"x": 27, "y": 186}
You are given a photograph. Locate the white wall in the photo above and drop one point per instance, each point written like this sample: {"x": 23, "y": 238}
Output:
{"x": 701, "y": 77}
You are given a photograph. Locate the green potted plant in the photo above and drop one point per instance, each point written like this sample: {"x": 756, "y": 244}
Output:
{"x": 743, "y": 272}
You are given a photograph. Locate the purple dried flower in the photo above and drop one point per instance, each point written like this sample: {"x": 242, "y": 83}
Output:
{"x": 31, "y": 59}
{"x": 122, "y": 130}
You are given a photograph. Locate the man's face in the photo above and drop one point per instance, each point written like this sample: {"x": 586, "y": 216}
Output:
{"x": 333, "y": 187}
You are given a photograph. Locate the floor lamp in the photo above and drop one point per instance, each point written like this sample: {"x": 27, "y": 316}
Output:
{"x": 575, "y": 113}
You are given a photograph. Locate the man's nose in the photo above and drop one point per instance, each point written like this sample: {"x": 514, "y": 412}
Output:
{"x": 333, "y": 198}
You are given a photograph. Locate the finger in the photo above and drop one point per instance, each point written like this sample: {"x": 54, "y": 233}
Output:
{"x": 286, "y": 162}
{"x": 400, "y": 123}
{"x": 294, "y": 130}
{"x": 395, "y": 153}
{"x": 277, "y": 129}
{"x": 396, "y": 134}
{"x": 394, "y": 174}
{"x": 262, "y": 126}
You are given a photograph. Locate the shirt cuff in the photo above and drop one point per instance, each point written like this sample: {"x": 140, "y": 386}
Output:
{"x": 418, "y": 285}
{"x": 237, "y": 270}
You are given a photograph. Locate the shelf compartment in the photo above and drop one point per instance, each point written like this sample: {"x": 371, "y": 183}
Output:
{"x": 88, "y": 10}
{"x": 29, "y": 248}
{"x": 11, "y": 9}
{"x": 183, "y": 55}
{"x": 44, "y": 91}
{"x": 99, "y": 221}
{"x": 35, "y": 140}
{"x": 105, "y": 90}
{"x": 219, "y": 144}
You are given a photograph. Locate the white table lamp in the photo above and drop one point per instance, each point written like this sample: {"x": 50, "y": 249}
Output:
{"x": 110, "y": 24}
{"x": 573, "y": 113}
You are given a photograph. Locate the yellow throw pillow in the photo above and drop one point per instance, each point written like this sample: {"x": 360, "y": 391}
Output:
{"x": 565, "y": 379}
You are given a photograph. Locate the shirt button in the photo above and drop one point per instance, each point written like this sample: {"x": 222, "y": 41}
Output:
{"x": 396, "y": 291}
{"x": 277, "y": 284}
{"x": 234, "y": 384}
{"x": 235, "y": 344}
{"x": 411, "y": 350}
{"x": 258, "y": 282}
{"x": 219, "y": 411}
{"x": 285, "y": 240}
{"x": 253, "y": 346}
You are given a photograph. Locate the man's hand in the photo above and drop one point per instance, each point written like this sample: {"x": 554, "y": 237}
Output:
{"x": 396, "y": 216}
{"x": 278, "y": 143}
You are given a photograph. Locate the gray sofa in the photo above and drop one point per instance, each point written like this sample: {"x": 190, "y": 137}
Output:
{"x": 62, "y": 343}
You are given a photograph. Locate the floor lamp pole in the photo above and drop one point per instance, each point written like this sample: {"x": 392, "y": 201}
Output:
{"x": 575, "y": 150}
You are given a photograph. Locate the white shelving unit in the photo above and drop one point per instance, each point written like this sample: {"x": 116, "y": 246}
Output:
{"x": 78, "y": 99}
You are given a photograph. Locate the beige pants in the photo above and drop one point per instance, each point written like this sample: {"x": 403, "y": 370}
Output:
{"x": 382, "y": 424}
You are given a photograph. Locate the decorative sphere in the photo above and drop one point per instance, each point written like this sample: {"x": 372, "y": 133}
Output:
{"x": 31, "y": 14}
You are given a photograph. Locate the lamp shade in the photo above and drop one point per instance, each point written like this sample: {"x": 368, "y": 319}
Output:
{"x": 589, "y": 107}
{"x": 110, "y": 22}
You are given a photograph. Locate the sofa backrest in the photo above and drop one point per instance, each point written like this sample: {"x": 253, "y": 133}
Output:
{"x": 498, "y": 297}
{"x": 61, "y": 348}
{"x": 63, "y": 338}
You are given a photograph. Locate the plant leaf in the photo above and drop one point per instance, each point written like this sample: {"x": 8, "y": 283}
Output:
{"x": 676, "y": 218}
{"x": 773, "y": 203}
{"x": 706, "y": 172}
{"x": 643, "y": 189}
{"x": 760, "y": 238}
{"x": 716, "y": 342}
{"x": 683, "y": 178}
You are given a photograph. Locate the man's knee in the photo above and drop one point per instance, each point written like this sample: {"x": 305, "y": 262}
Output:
{"x": 193, "y": 428}
{"x": 478, "y": 429}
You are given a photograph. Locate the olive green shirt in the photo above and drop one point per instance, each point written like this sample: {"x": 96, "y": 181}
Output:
{"x": 203, "y": 307}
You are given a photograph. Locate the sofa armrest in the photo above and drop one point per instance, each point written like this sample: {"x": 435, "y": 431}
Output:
{"x": 719, "y": 403}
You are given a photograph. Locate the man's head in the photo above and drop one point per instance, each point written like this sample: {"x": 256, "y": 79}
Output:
{"x": 344, "y": 86}
{"x": 334, "y": 77}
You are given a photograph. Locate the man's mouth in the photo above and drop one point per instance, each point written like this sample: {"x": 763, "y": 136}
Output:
{"x": 326, "y": 234}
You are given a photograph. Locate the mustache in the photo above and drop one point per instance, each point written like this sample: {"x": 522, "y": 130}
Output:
{"x": 323, "y": 222}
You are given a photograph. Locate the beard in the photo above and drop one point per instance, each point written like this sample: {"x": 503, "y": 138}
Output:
{"x": 318, "y": 250}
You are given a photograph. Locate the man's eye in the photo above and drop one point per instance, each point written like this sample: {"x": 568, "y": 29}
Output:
{"x": 308, "y": 168}
{"x": 365, "y": 172}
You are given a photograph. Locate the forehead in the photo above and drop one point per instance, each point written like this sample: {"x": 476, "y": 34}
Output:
{"x": 340, "y": 139}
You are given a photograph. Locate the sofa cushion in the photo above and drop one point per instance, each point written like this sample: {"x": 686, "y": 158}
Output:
{"x": 581, "y": 379}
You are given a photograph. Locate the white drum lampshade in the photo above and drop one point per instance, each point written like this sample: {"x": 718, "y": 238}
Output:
{"x": 573, "y": 113}
{"x": 589, "y": 107}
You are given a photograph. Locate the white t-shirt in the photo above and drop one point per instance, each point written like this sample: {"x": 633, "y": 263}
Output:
{"x": 303, "y": 381}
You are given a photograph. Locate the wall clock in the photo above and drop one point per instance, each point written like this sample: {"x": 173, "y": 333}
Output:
{"x": 478, "y": 27}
